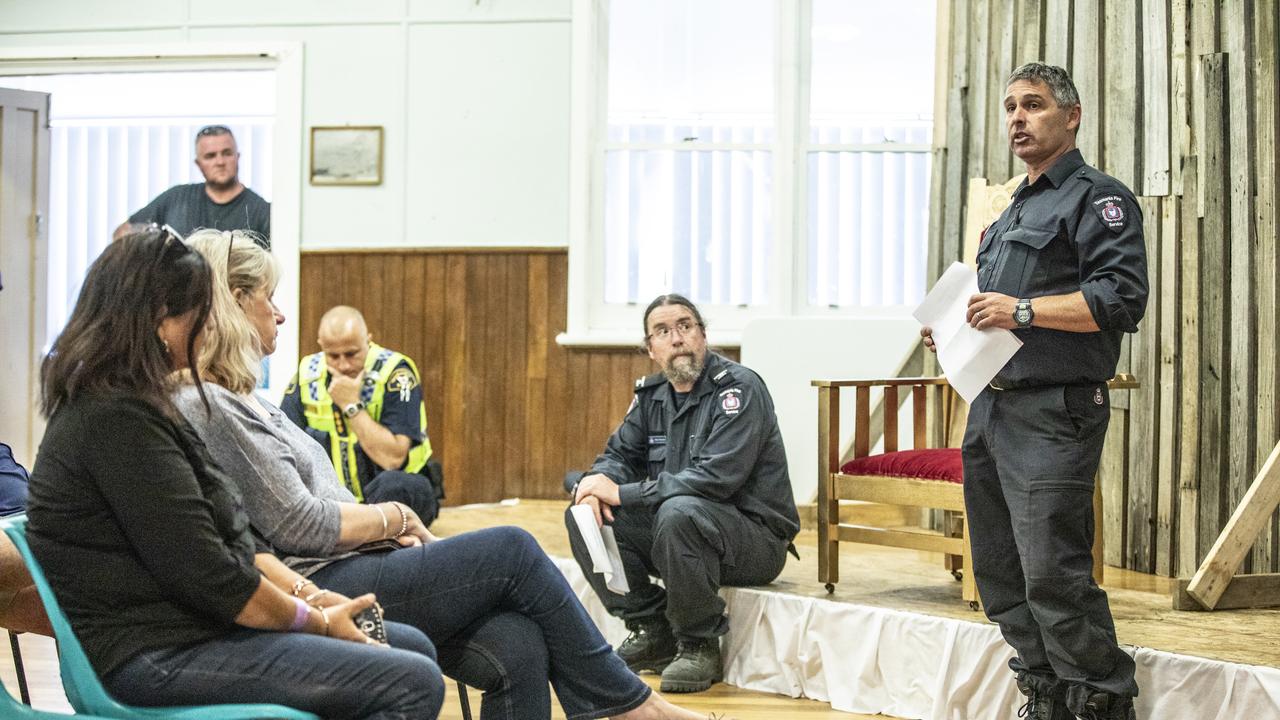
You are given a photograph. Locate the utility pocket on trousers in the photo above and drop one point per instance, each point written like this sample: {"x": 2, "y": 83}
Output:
{"x": 1059, "y": 540}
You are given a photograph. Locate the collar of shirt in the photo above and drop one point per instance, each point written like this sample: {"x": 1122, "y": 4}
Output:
{"x": 1057, "y": 173}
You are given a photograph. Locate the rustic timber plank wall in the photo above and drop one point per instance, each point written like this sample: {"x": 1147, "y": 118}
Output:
{"x": 508, "y": 410}
{"x": 1179, "y": 100}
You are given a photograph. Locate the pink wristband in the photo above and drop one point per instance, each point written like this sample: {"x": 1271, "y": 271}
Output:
{"x": 300, "y": 614}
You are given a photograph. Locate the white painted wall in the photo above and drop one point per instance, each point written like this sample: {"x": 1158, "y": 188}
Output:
{"x": 788, "y": 353}
{"x": 473, "y": 96}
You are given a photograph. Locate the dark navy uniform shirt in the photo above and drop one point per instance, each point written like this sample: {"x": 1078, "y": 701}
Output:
{"x": 400, "y": 411}
{"x": 722, "y": 444}
{"x": 1074, "y": 229}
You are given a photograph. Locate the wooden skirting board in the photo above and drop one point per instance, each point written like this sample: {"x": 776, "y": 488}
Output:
{"x": 1215, "y": 584}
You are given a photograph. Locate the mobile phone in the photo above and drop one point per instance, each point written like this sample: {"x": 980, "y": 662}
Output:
{"x": 370, "y": 623}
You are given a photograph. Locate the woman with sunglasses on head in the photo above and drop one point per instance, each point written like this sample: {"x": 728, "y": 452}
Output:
{"x": 502, "y": 615}
{"x": 145, "y": 541}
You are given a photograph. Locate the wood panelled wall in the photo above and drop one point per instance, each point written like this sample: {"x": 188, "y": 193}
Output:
{"x": 509, "y": 411}
{"x": 1179, "y": 101}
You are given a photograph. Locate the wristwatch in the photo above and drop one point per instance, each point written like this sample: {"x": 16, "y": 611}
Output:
{"x": 352, "y": 409}
{"x": 1023, "y": 314}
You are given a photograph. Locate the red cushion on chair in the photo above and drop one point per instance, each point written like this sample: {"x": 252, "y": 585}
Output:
{"x": 930, "y": 464}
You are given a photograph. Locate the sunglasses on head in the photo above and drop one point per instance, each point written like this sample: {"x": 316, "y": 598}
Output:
{"x": 213, "y": 130}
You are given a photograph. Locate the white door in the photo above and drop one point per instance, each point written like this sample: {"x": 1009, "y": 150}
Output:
{"x": 24, "y": 208}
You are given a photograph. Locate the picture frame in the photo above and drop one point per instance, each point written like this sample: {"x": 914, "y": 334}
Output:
{"x": 346, "y": 155}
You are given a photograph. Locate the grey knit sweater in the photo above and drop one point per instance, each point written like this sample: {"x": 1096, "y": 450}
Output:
{"x": 291, "y": 491}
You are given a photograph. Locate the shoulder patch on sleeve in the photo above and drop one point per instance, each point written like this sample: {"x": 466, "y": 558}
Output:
{"x": 402, "y": 380}
{"x": 293, "y": 385}
{"x": 1112, "y": 209}
{"x": 731, "y": 400}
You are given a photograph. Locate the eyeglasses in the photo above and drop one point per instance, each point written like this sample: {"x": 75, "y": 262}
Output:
{"x": 684, "y": 327}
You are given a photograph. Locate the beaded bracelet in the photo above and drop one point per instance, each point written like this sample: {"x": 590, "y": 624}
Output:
{"x": 404, "y": 519}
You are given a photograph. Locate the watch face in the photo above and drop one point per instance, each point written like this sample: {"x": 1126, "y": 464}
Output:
{"x": 1022, "y": 315}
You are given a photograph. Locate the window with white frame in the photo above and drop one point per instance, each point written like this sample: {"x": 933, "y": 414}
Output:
{"x": 759, "y": 156}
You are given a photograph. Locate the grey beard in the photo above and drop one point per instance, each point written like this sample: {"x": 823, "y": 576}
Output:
{"x": 683, "y": 369}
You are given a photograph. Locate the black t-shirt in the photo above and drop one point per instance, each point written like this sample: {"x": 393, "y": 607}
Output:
{"x": 188, "y": 207}
{"x": 143, "y": 538}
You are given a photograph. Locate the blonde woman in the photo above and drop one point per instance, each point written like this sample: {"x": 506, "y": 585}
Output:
{"x": 501, "y": 615}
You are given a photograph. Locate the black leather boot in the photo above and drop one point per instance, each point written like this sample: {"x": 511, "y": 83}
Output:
{"x": 697, "y": 667}
{"x": 650, "y": 646}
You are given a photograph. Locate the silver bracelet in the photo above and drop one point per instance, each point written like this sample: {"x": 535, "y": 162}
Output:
{"x": 383, "y": 515}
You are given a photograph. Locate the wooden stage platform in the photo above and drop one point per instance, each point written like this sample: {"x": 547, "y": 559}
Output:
{"x": 915, "y": 581}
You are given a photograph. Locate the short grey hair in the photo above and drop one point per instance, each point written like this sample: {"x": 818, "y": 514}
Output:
{"x": 1059, "y": 82}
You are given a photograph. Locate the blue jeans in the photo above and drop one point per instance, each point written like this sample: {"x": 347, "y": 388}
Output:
{"x": 504, "y": 619}
{"x": 326, "y": 676}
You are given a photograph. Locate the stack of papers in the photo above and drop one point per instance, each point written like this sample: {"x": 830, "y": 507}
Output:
{"x": 969, "y": 358}
{"x": 603, "y": 548}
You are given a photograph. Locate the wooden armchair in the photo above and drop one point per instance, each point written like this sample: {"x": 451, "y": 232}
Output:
{"x": 882, "y": 479}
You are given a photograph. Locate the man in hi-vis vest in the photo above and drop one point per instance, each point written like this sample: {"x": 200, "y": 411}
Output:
{"x": 363, "y": 403}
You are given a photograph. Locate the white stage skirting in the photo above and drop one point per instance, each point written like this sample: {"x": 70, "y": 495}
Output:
{"x": 910, "y": 665}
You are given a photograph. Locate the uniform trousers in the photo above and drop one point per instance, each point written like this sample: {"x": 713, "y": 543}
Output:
{"x": 695, "y": 545}
{"x": 1029, "y": 461}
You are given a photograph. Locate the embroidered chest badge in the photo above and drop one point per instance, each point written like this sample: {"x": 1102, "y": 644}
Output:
{"x": 1097, "y": 396}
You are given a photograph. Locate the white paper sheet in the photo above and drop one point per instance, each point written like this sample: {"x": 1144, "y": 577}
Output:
{"x": 969, "y": 357}
{"x": 603, "y": 548}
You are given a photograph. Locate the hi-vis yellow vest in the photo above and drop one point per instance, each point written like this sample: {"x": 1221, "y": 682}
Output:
{"x": 313, "y": 388}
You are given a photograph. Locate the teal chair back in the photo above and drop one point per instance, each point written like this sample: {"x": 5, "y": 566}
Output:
{"x": 85, "y": 692}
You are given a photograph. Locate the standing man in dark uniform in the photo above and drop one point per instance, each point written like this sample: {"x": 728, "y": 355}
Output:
{"x": 1064, "y": 268}
{"x": 695, "y": 484}
{"x": 221, "y": 202}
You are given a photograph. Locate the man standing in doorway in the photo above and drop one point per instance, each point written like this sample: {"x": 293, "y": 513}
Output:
{"x": 695, "y": 484}
{"x": 221, "y": 202}
{"x": 1064, "y": 267}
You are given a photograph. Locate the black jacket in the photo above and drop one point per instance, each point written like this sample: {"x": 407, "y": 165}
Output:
{"x": 722, "y": 444}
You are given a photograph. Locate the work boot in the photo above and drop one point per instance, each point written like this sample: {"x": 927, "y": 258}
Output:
{"x": 1042, "y": 704}
{"x": 696, "y": 667}
{"x": 650, "y": 646}
{"x": 1103, "y": 706}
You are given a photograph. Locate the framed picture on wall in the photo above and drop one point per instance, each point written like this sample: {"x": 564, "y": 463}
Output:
{"x": 346, "y": 155}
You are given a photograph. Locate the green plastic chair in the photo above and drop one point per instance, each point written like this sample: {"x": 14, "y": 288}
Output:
{"x": 11, "y": 709}
{"x": 85, "y": 692}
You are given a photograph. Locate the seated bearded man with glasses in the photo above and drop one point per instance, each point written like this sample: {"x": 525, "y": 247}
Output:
{"x": 694, "y": 484}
